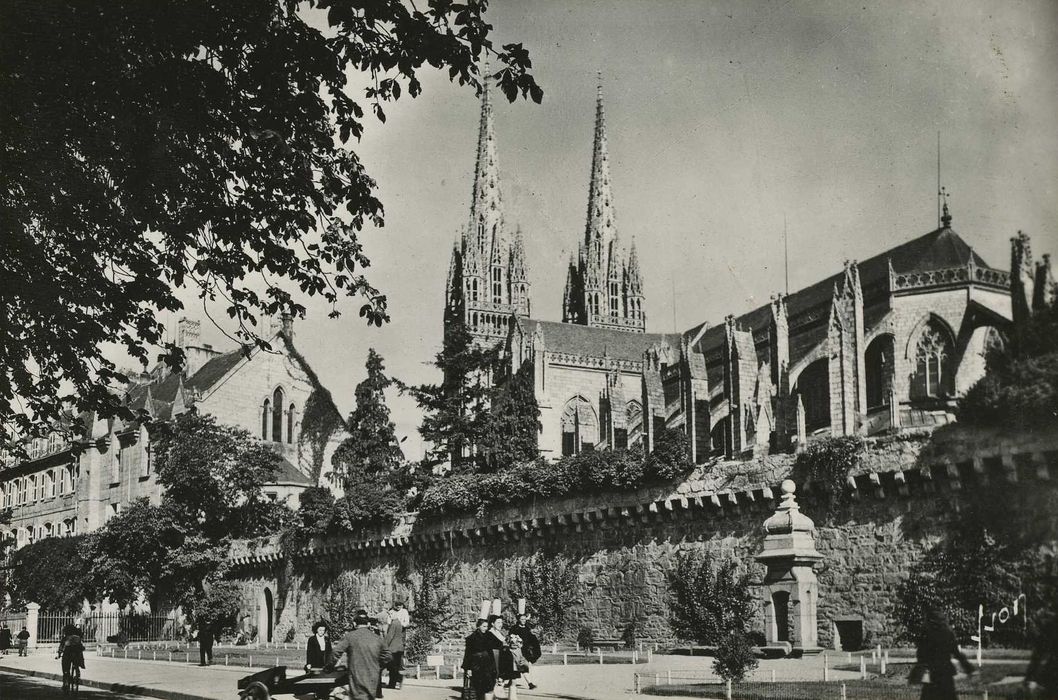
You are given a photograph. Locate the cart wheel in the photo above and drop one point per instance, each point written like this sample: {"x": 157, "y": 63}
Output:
{"x": 255, "y": 691}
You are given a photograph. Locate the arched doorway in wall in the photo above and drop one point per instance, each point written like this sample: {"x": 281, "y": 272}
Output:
{"x": 780, "y": 605}
{"x": 813, "y": 386}
{"x": 265, "y": 616}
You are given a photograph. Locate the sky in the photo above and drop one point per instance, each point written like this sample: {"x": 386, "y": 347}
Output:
{"x": 726, "y": 121}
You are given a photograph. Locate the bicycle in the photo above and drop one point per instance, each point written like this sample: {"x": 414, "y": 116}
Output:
{"x": 71, "y": 681}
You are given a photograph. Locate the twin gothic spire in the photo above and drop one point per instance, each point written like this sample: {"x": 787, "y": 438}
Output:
{"x": 488, "y": 275}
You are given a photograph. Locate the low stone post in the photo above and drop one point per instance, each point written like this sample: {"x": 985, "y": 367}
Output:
{"x": 32, "y": 621}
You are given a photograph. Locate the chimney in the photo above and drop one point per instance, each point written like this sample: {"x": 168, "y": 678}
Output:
{"x": 287, "y": 327}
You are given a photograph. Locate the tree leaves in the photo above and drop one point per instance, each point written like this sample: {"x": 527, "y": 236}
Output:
{"x": 150, "y": 147}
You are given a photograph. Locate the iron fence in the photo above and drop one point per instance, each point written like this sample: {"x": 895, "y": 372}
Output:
{"x": 117, "y": 628}
{"x": 700, "y": 686}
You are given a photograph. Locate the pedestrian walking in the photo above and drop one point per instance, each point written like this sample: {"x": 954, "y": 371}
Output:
{"x": 5, "y": 639}
{"x": 23, "y": 641}
{"x": 530, "y": 646}
{"x": 366, "y": 656}
{"x": 401, "y": 613}
{"x": 936, "y": 647}
{"x": 1041, "y": 677}
{"x": 205, "y": 643}
{"x": 506, "y": 668}
{"x": 393, "y": 639}
{"x": 479, "y": 677}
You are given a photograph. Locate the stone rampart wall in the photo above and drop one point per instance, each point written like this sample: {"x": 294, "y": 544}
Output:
{"x": 625, "y": 544}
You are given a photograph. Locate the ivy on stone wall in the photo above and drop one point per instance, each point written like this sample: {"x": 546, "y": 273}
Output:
{"x": 550, "y": 585}
{"x": 319, "y": 421}
{"x": 827, "y": 464}
{"x": 591, "y": 471}
{"x": 432, "y": 615}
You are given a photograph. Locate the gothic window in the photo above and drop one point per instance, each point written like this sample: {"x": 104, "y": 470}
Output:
{"x": 878, "y": 363}
{"x": 933, "y": 375}
{"x": 580, "y": 428}
{"x": 266, "y": 415}
{"x": 49, "y": 484}
{"x": 995, "y": 342}
{"x": 615, "y": 299}
{"x": 290, "y": 424}
{"x": 45, "y": 530}
{"x": 634, "y": 417}
{"x": 497, "y": 285}
{"x": 814, "y": 386}
{"x": 277, "y": 415}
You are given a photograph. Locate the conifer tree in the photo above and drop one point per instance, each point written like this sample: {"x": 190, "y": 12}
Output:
{"x": 514, "y": 425}
{"x": 372, "y": 446}
{"x": 457, "y": 419}
{"x": 369, "y": 464}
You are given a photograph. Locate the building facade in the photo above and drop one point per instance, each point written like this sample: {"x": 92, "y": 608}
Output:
{"x": 66, "y": 489}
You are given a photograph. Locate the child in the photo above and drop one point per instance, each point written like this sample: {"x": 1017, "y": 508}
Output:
{"x": 23, "y": 641}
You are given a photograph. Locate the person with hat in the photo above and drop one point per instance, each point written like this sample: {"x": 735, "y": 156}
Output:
{"x": 367, "y": 655}
{"x": 530, "y": 644}
{"x": 393, "y": 639}
{"x": 503, "y": 657}
{"x": 318, "y": 650}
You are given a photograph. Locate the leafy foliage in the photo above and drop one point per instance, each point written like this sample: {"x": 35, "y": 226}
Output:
{"x": 710, "y": 599}
{"x": 433, "y": 615}
{"x": 514, "y": 425}
{"x": 734, "y": 657}
{"x": 591, "y": 471}
{"x": 217, "y": 608}
{"x": 342, "y": 602}
{"x": 175, "y": 552}
{"x": 218, "y": 161}
{"x": 372, "y": 445}
{"x": 828, "y": 462}
{"x": 52, "y": 572}
{"x": 991, "y": 553}
{"x": 319, "y": 421}
{"x": 671, "y": 457}
{"x": 1020, "y": 386}
{"x": 550, "y": 585}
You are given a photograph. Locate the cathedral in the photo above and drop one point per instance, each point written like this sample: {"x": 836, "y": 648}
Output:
{"x": 884, "y": 345}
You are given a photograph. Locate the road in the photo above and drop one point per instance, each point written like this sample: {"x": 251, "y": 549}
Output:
{"x": 16, "y": 687}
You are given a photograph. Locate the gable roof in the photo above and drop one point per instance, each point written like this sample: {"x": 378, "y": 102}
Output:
{"x": 588, "y": 341}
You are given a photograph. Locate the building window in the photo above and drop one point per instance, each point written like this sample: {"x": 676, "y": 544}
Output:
{"x": 131, "y": 457}
{"x": 933, "y": 377}
{"x": 473, "y": 290}
{"x": 45, "y": 530}
{"x": 615, "y": 299}
{"x": 497, "y": 285}
{"x": 878, "y": 362}
{"x": 814, "y": 386}
{"x": 290, "y": 424}
{"x": 277, "y": 415}
{"x": 49, "y": 484}
{"x": 266, "y": 415}
{"x": 580, "y": 427}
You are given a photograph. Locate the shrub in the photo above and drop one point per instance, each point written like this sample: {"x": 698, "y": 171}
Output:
{"x": 433, "y": 615}
{"x": 734, "y": 657}
{"x": 1018, "y": 393}
{"x": 829, "y": 462}
{"x": 671, "y": 458}
{"x": 711, "y": 599}
{"x": 586, "y": 638}
{"x": 550, "y": 586}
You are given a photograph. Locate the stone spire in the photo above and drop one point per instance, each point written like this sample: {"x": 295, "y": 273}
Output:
{"x": 600, "y": 233}
{"x": 633, "y": 278}
{"x": 519, "y": 275}
{"x": 569, "y": 294}
{"x": 486, "y": 212}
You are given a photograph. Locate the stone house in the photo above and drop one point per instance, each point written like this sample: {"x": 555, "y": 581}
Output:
{"x": 61, "y": 490}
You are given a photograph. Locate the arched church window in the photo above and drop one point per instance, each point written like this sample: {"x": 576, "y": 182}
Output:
{"x": 580, "y": 427}
{"x": 277, "y": 415}
{"x": 814, "y": 386}
{"x": 933, "y": 375}
{"x": 615, "y": 299}
{"x": 290, "y": 424}
{"x": 497, "y": 285}
{"x": 266, "y": 415}
{"x": 878, "y": 363}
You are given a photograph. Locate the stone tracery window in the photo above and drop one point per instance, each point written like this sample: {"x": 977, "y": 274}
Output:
{"x": 266, "y": 415}
{"x": 580, "y": 427}
{"x": 933, "y": 376}
{"x": 277, "y": 415}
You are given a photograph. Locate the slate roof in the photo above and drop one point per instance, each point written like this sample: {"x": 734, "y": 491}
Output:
{"x": 289, "y": 474}
{"x": 588, "y": 341}
{"x": 938, "y": 249}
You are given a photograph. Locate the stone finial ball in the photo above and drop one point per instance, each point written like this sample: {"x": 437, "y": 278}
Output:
{"x": 788, "y": 486}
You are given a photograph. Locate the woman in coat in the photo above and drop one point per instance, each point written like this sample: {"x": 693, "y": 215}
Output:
{"x": 5, "y": 639}
{"x": 480, "y": 669}
{"x": 318, "y": 650}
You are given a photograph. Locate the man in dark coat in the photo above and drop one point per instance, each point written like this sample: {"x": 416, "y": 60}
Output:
{"x": 366, "y": 654}
{"x": 530, "y": 645}
{"x": 936, "y": 647}
{"x": 23, "y": 641}
{"x": 205, "y": 643}
{"x": 5, "y": 638}
{"x": 393, "y": 640}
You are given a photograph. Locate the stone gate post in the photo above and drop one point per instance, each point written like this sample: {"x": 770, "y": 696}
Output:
{"x": 32, "y": 623}
{"x": 790, "y": 587}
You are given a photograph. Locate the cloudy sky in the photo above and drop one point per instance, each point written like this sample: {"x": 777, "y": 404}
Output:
{"x": 724, "y": 119}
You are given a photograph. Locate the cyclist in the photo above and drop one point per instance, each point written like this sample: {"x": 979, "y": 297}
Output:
{"x": 71, "y": 651}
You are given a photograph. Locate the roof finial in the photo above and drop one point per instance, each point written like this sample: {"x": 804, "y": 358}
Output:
{"x": 945, "y": 219}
